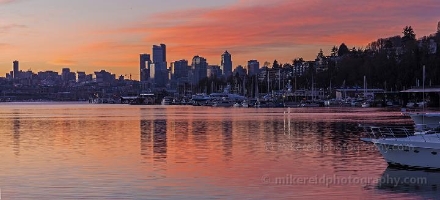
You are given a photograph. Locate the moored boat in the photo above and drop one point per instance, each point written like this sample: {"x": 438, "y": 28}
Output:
{"x": 167, "y": 101}
{"x": 404, "y": 148}
{"x": 426, "y": 120}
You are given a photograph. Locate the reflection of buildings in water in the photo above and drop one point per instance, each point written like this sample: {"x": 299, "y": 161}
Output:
{"x": 420, "y": 183}
{"x": 146, "y": 136}
{"x": 160, "y": 140}
{"x": 227, "y": 138}
{"x": 316, "y": 138}
{"x": 16, "y": 132}
{"x": 154, "y": 139}
{"x": 199, "y": 131}
{"x": 180, "y": 129}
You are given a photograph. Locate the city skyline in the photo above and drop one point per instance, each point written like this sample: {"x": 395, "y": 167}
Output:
{"x": 89, "y": 36}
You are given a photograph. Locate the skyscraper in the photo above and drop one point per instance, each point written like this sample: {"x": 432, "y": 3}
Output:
{"x": 198, "y": 69}
{"x": 180, "y": 70}
{"x": 226, "y": 64}
{"x": 145, "y": 60}
{"x": 253, "y": 67}
{"x": 160, "y": 65}
{"x": 15, "y": 69}
{"x": 159, "y": 53}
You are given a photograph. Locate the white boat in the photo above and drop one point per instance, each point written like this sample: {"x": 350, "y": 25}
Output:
{"x": 236, "y": 104}
{"x": 426, "y": 120}
{"x": 167, "y": 101}
{"x": 365, "y": 105}
{"x": 422, "y": 104}
{"x": 416, "y": 150}
{"x": 390, "y": 103}
{"x": 244, "y": 104}
{"x": 201, "y": 97}
{"x": 310, "y": 104}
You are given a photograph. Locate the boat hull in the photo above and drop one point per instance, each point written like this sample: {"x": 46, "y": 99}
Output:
{"x": 409, "y": 154}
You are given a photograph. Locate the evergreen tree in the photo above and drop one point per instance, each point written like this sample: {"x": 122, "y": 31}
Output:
{"x": 343, "y": 50}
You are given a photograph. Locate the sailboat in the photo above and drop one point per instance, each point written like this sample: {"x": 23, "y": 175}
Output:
{"x": 425, "y": 120}
{"x": 366, "y": 103}
{"x": 311, "y": 103}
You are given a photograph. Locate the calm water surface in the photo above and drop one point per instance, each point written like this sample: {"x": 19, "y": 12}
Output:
{"x": 88, "y": 151}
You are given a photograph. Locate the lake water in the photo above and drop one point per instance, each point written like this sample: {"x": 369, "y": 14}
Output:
{"x": 90, "y": 151}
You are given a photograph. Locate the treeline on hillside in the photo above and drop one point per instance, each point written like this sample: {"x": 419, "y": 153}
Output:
{"x": 394, "y": 64}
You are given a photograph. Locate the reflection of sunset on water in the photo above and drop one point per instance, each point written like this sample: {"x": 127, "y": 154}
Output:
{"x": 192, "y": 152}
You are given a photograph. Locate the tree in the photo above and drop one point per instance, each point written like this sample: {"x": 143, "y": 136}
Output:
{"x": 334, "y": 51}
{"x": 266, "y": 64}
{"x": 408, "y": 34}
{"x": 343, "y": 50}
{"x": 298, "y": 61}
{"x": 388, "y": 44}
{"x": 275, "y": 65}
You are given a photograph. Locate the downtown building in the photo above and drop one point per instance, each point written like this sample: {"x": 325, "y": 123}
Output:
{"x": 144, "y": 67}
{"x": 199, "y": 70}
{"x": 15, "y": 68}
{"x": 67, "y": 75}
{"x": 240, "y": 71}
{"x": 253, "y": 67}
{"x": 179, "y": 70}
{"x": 214, "y": 71}
{"x": 158, "y": 68}
{"x": 226, "y": 64}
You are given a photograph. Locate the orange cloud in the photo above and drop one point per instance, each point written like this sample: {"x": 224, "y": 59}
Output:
{"x": 249, "y": 29}
{"x": 252, "y": 27}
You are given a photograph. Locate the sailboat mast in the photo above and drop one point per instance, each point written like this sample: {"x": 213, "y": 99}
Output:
{"x": 268, "y": 74}
{"x": 279, "y": 79}
{"x": 365, "y": 86}
{"x": 423, "y": 103}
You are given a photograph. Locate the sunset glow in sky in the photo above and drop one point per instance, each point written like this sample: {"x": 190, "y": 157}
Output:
{"x": 89, "y": 35}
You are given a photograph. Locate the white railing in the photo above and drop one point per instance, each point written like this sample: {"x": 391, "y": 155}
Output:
{"x": 399, "y": 132}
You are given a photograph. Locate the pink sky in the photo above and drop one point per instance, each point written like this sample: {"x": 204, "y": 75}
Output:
{"x": 103, "y": 34}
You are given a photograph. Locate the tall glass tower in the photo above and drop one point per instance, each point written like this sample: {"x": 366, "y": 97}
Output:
{"x": 226, "y": 64}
